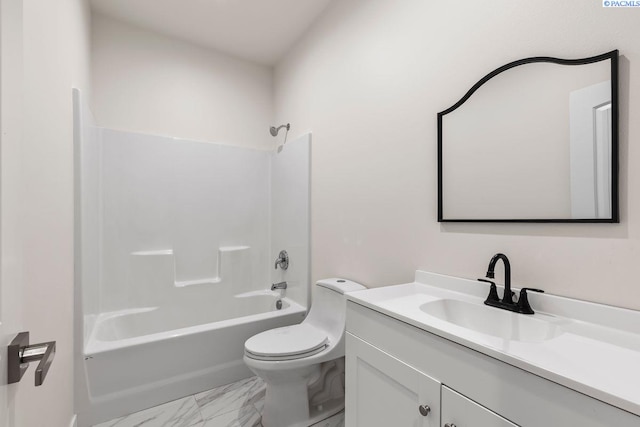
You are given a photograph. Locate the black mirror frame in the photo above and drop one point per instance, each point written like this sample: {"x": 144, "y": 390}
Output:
{"x": 615, "y": 213}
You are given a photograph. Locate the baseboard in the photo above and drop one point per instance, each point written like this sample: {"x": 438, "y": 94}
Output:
{"x": 74, "y": 421}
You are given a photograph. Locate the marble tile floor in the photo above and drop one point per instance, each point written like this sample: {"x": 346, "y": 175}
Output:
{"x": 233, "y": 405}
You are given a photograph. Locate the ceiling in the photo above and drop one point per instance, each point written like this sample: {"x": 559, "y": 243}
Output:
{"x": 256, "y": 30}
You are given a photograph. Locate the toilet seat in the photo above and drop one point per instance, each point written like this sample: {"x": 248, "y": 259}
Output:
{"x": 287, "y": 343}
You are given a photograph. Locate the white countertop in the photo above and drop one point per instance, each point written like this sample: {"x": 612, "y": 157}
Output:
{"x": 597, "y": 353}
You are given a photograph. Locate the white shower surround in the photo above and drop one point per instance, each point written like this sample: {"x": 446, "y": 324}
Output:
{"x": 175, "y": 247}
{"x": 189, "y": 198}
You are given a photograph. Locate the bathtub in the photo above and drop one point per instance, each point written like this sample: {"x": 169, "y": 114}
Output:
{"x": 142, "y": 357}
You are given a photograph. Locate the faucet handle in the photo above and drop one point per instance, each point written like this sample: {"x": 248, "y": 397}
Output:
{"x": 493, "y": 291}
{"x": 523, "y": 301}
{"x": 283, "y": 260}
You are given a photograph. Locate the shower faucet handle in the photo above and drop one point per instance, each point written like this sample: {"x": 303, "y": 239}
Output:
{"x": 283, "y": 260}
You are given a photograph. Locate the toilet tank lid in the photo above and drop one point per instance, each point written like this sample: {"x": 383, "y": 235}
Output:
{"x": 340, "y": 285}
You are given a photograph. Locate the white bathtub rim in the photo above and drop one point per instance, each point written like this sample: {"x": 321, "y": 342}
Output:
{"x": 261, "y": 292}
{"x": 95, "y": 346}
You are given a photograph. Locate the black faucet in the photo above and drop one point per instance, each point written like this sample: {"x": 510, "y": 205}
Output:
{"x": 506, "y": 297}
{"x": 522, "y": 306}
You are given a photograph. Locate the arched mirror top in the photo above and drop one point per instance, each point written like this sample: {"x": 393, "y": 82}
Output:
{"x": 535, "y": 140}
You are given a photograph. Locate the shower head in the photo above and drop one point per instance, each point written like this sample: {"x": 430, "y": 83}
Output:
{"x": 274, "y": 131}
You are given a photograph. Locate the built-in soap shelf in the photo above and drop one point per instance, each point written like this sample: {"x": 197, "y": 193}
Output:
{"x": 208, "y": 281}
{"x": 153, "y": 253}
{"x": 159, "y": 266}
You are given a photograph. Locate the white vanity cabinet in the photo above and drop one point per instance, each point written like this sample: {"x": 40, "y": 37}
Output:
{"x": 393, "y": 368}
{"x": 383, "y": 391}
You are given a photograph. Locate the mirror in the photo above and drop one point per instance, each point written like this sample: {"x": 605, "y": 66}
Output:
{"x": 535, "y": 140}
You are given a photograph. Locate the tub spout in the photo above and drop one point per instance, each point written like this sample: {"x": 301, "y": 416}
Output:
{"x": 281, "y": 285}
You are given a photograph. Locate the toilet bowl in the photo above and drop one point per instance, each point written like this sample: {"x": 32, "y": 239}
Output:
{"x": 303, "y": 365}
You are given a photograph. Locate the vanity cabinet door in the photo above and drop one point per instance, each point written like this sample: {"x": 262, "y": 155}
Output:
{"x": 458, "y": 411}
{"x": 383, "y": 391}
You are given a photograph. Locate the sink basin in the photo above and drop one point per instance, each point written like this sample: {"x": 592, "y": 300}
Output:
{"x": 492, "y": 321}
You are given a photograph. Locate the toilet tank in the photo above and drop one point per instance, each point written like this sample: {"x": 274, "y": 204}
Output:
{"x": 329, "y": 305}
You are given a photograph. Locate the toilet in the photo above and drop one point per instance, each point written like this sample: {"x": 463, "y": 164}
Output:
{"x": 303, "y": 365}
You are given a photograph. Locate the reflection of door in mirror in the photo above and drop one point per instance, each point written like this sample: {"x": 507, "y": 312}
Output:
{"x": 590, "y": 154}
